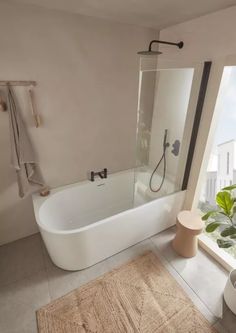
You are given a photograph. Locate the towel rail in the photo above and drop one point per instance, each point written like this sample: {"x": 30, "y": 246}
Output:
{"x": 30, "y": 84}
{"x": 18, "y": 83}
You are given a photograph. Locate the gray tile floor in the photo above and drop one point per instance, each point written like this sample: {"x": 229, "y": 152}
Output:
{"x": 29, "y": 280}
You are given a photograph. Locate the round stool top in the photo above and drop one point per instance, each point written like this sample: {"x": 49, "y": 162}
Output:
{"x": 190, "y": 220}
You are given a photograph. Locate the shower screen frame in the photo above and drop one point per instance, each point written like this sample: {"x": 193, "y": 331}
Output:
{"x": 196, "y": 123}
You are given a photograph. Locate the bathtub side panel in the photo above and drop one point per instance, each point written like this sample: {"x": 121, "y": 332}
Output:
{"x": 101, "y": 240}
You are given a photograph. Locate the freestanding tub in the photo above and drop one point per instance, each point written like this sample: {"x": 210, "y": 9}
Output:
{"x": 84, "y": 223}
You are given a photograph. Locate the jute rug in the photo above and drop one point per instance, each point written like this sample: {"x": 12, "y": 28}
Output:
{"x": 140, "y": 296}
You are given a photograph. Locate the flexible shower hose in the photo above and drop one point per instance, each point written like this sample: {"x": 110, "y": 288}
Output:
{"x": 164, "y": 171}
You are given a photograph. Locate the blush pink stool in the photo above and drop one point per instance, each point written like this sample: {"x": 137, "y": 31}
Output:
{"x": 189, "y": 226}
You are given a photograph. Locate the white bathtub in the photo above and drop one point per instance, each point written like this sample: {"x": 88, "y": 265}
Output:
{"x": 84, "y": 223}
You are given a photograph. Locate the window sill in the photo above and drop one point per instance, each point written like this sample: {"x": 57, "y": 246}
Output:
{"x": 226, "y": 260}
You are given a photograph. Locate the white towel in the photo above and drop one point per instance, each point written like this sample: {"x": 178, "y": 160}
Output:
{"x": 22, "y": 155}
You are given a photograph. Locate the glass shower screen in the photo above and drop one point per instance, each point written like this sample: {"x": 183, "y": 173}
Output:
{"x": 165, "y": 119}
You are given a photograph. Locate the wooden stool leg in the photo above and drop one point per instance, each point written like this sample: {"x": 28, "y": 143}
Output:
{"x": 185, "y": 243}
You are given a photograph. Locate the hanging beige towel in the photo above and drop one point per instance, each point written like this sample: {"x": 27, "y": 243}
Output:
{"x": 22, "y": 155}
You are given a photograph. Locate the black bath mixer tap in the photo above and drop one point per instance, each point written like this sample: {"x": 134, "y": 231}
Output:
{"x": 102, "y": 174}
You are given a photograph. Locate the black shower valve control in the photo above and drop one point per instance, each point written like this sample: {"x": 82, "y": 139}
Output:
{"x": 175, "y": 148}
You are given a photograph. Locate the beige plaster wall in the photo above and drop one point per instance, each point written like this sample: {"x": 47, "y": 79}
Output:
{"x": 87, "y": 75}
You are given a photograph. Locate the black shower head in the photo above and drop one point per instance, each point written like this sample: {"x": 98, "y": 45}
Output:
{"x": 151, "y": 52}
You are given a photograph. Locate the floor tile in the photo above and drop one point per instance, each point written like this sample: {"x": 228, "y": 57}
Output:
{"x": 29, "y": 280}
{"x": 20, "y": 259}
{"x": 20, "y": 300}
{"x": 188, "y": 290}
{"x": 163, "y": 242}
{"x": 130, "y": 253}
{"x": 228, "y": 320}
{"x": 219, "y": 328}
{"x": 202, "y": 273}
{"x": 60, "y": 282}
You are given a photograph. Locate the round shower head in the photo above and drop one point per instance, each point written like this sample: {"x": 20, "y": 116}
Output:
{"x": 149, "y": 53}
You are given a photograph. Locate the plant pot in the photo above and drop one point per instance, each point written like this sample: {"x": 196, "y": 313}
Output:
{"x": 230, "y": 291}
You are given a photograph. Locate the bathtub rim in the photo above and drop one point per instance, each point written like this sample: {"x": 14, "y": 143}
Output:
{"x": 38, "y": 202}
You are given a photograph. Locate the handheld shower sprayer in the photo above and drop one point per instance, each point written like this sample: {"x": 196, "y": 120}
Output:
{"x": 165, "y": 143}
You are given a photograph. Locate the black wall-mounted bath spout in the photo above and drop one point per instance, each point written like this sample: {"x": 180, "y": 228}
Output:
{"x": 180, "y": 45}
{"x": 102, "y": 174}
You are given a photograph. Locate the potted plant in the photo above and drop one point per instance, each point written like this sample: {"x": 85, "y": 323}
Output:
{"x": 224, "y": 219}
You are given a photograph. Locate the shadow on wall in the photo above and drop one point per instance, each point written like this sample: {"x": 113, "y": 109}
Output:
{"x": 17, "y": 215}
{"x": 10, "y": 177}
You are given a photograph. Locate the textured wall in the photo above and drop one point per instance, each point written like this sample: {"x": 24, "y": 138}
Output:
{"x": 87, "y": 75}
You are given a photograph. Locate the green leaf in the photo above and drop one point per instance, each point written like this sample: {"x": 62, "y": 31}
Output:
{"x": 224, "y": 243}
{"x": 228, "y": 231}
{"x": 212, "y": 226}
{"x": 225, "y": 201}
{"x": 229, "y": 188}
{"x": 233, "y": 236}
{"x": 207, "y": 215}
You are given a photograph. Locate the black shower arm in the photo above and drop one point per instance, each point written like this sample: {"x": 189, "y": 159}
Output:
{"x": 180, "y": 44}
